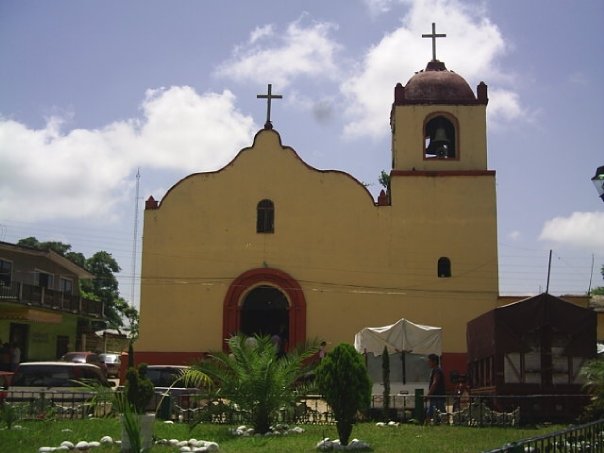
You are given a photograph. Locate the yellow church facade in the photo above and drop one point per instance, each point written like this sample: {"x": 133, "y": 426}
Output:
{"x": 271, "y": 245}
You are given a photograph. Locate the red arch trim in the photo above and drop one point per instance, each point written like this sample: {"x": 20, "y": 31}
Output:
{"x": 297, "y": 311}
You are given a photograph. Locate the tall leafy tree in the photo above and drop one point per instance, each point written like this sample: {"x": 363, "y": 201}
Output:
{"x": 32, "y": 242}
{"x": 77, "y": 258}
{"x": 599, "y": 291}
{"x": 132, "y": 316}
{"x": 104, "y": 286}
{"x": 384, "y": 180}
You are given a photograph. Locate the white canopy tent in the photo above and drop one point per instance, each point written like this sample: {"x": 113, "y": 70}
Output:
{"x": 402, "y": 336}
{"x": 408, "y": 344}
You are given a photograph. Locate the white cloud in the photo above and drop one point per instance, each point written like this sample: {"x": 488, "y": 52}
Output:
{"x": 402, "y": 52}
{"x": 184, "y": 130}
{"x": 299, "y": 51}
{"x": 49, "y": 173}
{"x": 579, "y": 78}
{"x": 581, "y": 229}
{"x": 261, "y": 32}
{"x": 504, "y": 106}
{"x": 377, "y": 7}
{"x": 514, "y": 235}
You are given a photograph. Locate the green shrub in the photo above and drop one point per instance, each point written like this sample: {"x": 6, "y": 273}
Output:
{"x": 344, "y": 383}
{"x": 139, "y": 389}
{"x": 8, "y": 414}
{"x": 386, "y": 379}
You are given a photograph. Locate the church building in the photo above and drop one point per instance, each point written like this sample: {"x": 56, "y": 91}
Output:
{"x": 270, "y": 245}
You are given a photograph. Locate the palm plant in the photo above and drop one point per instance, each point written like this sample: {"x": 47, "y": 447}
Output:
{"x": 255, "y": 379}
{"x": 593, "y": 373}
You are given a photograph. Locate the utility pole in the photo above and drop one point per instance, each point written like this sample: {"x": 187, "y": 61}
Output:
{"x": 134, "y": 239}
{"x": 549, "y": 270}
{"x": 591, "y": 275}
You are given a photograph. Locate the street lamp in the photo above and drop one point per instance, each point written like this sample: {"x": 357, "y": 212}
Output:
{"x": 598, "y": 181}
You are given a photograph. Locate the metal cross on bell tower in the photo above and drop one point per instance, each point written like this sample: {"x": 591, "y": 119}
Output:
{"x": 433, "y": 36}
{"x": 269, "y": 97}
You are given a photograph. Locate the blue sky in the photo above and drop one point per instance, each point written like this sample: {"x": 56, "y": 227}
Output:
{"x": 92, "y": 91}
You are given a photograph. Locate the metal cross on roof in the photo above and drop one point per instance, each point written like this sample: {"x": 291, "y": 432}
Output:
{"x": 434, "y": 36}
{"x": 269, "y": 97}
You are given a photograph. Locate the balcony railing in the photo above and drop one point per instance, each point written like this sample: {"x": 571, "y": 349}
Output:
{"x": 38, "y": 296}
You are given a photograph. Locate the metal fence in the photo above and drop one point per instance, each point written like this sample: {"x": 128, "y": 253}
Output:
{"x": 184, "y": 407}
{"x": 187, "y": 407}
{"x": 479, "y": 411}
{"x": 483, "y": 410}
{"x": 311, "y": 409}
{"x": 43, "y": 405}
{"x": 583, "y": 438}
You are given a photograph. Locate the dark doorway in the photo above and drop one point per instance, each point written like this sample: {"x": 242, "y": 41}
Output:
{"x": 62, "y": 346}
{"x": 265, "y": 311}
{"x": 242, "y": 287}
{"x": 19, "y": 334}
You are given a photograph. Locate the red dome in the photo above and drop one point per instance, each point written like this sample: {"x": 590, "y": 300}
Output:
{"x": 437, "y": 85}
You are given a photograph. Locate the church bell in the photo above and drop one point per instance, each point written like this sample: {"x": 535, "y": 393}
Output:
{"x": 439, "y": 143}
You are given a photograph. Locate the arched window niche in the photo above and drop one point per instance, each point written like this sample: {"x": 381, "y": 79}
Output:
{"x": 444, "y": 267}
{"x": 440, "y": 138}
{"x": 265, "y": 217}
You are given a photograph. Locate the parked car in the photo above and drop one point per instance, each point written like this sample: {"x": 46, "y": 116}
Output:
{"x": 163, "y": 376}
{"x": 170, "y": 400}
{"x": 63, "y": 386}
{"x": 112, "y": 361}
{"x": 86, "y": 357}
{"x": 5, "y": 379}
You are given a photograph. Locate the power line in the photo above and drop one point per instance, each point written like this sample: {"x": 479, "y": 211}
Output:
{"x": 513, "y": 268}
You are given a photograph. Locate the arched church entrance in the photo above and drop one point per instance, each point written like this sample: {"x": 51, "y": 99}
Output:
{"x": 265, "y": 311}
{"x": 262, "y": 300}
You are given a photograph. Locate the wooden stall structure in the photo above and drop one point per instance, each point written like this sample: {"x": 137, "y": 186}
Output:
{"x": 532, "y": 348}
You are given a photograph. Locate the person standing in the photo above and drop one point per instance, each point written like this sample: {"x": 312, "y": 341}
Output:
{"x": 277, "y": 342}
{"x": 436, "y": 389}
{"x": 280, "y": 342}
{"x": 322, "y": 351}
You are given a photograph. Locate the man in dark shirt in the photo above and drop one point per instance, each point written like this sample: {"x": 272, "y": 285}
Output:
{"x": 436, "y": 391}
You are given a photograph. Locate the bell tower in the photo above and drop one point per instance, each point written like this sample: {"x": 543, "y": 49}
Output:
{"x": 437, "y": 122}
{"x": 441, "y": 191}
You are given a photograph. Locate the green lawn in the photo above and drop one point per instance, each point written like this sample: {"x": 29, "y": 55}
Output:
{"x": 405, "y": 438}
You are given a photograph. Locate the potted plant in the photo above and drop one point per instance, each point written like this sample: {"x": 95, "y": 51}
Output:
{"x": 137, "y": 425}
